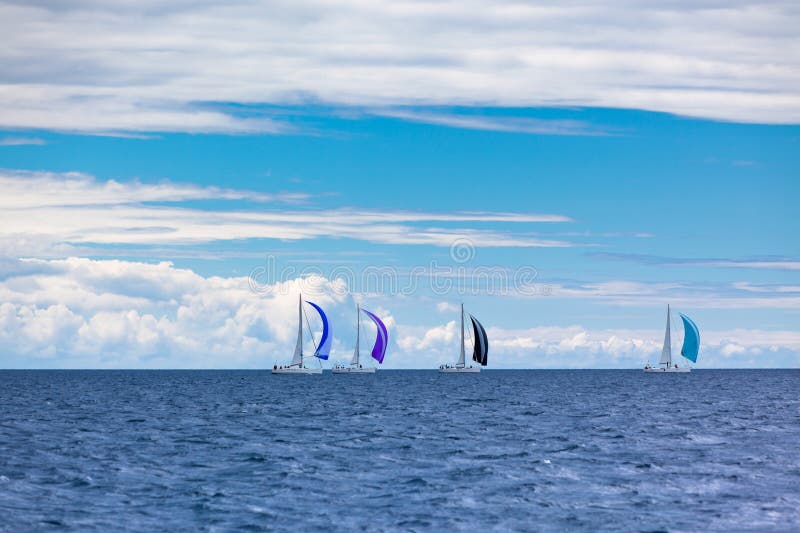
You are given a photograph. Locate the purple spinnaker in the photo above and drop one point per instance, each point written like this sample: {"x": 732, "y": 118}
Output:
{"x": 381, "y": 340}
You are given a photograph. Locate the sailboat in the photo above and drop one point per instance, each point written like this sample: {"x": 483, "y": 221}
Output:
{"x": 321, "y": 352}
{"x": 480, "y": 349}
{"x": 691, "y": 346}
{"x": 378, "y": 350}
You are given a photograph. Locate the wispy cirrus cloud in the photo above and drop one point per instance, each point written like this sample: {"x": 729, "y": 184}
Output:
{"x": 770, "y": 289}
{"x": 22, "y": 141}
{"x": 496, "y": 123}
{"x": 46, "y": 211}
{"x": 127, "y": 70}
{"x": 694, "y": 295}
{"x": 769, "y": 263}
{"x": 25, "y": 189}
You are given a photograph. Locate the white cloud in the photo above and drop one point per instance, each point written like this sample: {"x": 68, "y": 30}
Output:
{"x": 506, "y": 124}
{"x": 446, "y": 307}
{"x": 732, "y": 349}
{"x": 41, "y": 212}
{"x": 26, "y": 190}
{"x": 745, "y": 263}
{"x": 150, "y": 66}
{"x": 737, "y": 295}
{"x": 80, "y": 312}
{"x": 765, "y": 264}
{"x": 435, "y": 340}
{"x": 751, "y": 287}
{"x": 21, "y": 141}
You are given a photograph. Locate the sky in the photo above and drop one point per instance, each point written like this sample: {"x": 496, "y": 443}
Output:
{"x": 173, "y": 175}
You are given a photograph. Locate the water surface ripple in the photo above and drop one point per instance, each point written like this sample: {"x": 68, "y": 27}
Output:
{"x": 410, "y": 450}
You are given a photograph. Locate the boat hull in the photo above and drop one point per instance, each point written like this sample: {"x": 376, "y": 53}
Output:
{"x": 663, "y": 370}
{"x": 296, "y": 370}
{"x": 354, "y": 370}
{"x": 459, "y": 369}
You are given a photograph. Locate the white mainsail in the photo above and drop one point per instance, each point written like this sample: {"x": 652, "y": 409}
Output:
{"x": 461, "y": 359}
{"x": 666, "y": 352}
{"x": 354, "y": 360}
{"x": 297, "y": 360}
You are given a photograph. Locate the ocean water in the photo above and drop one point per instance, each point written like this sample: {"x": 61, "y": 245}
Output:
{"x": 400, "y": 450}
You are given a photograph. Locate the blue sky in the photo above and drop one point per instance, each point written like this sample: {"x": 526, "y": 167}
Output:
{"x": 139, "y": 197}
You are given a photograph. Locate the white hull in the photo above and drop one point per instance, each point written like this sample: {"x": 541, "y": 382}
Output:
{"x": 459, "y": 369}
{"x": 296, "y": 370}
{"x": 354, "y": 370}
{"x": 662, "y": 370}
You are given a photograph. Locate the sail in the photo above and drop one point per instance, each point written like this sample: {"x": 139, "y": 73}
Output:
{"x": 297, "y": 360}
{"x": 691, "y": 339}
{"x": 461, "y": 360}
{"x": 356, "y": 355}
{"x": 481, "y": 351}
{"x": 324, "y": 348}
{"x": 666, "y": 352}
{"x": 381, "y": 340}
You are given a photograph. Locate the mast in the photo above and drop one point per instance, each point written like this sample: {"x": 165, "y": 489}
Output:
{"x": 666, "y": 351}
{"x": 298, "y": 349}
{"x": 356, "y": 354}
{"x": 461, "y": 356}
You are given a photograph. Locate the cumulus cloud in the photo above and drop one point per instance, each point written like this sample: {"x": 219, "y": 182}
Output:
{"x": 80, "y": 312}
{"x": 446, "y": 307}
{"x": 156, "y": 66}
{"x": 49, "y": 214}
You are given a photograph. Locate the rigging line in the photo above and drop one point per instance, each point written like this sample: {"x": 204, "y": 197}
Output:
{"x": 358, "y": 334}
{"x": 310, "y": 333}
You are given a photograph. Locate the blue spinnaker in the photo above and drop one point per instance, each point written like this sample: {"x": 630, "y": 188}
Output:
{"x": 324, "y": 348}
{"x": 691, "y": 339}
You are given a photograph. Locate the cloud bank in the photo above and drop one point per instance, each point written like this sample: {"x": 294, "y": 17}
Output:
{"x": 579, "y": 347}
{"x": 162, "y": 66}
{"x": 82, "y": 313}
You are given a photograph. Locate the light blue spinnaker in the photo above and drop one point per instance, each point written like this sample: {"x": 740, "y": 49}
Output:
{"x": 691, "y": 339}
{"x": 324, "y": 348}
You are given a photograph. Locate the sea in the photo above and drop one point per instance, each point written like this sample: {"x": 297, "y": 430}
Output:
{"x": 503, "y": 450}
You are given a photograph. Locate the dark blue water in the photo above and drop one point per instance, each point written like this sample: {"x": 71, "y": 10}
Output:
{"x": 412, "y": 450}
